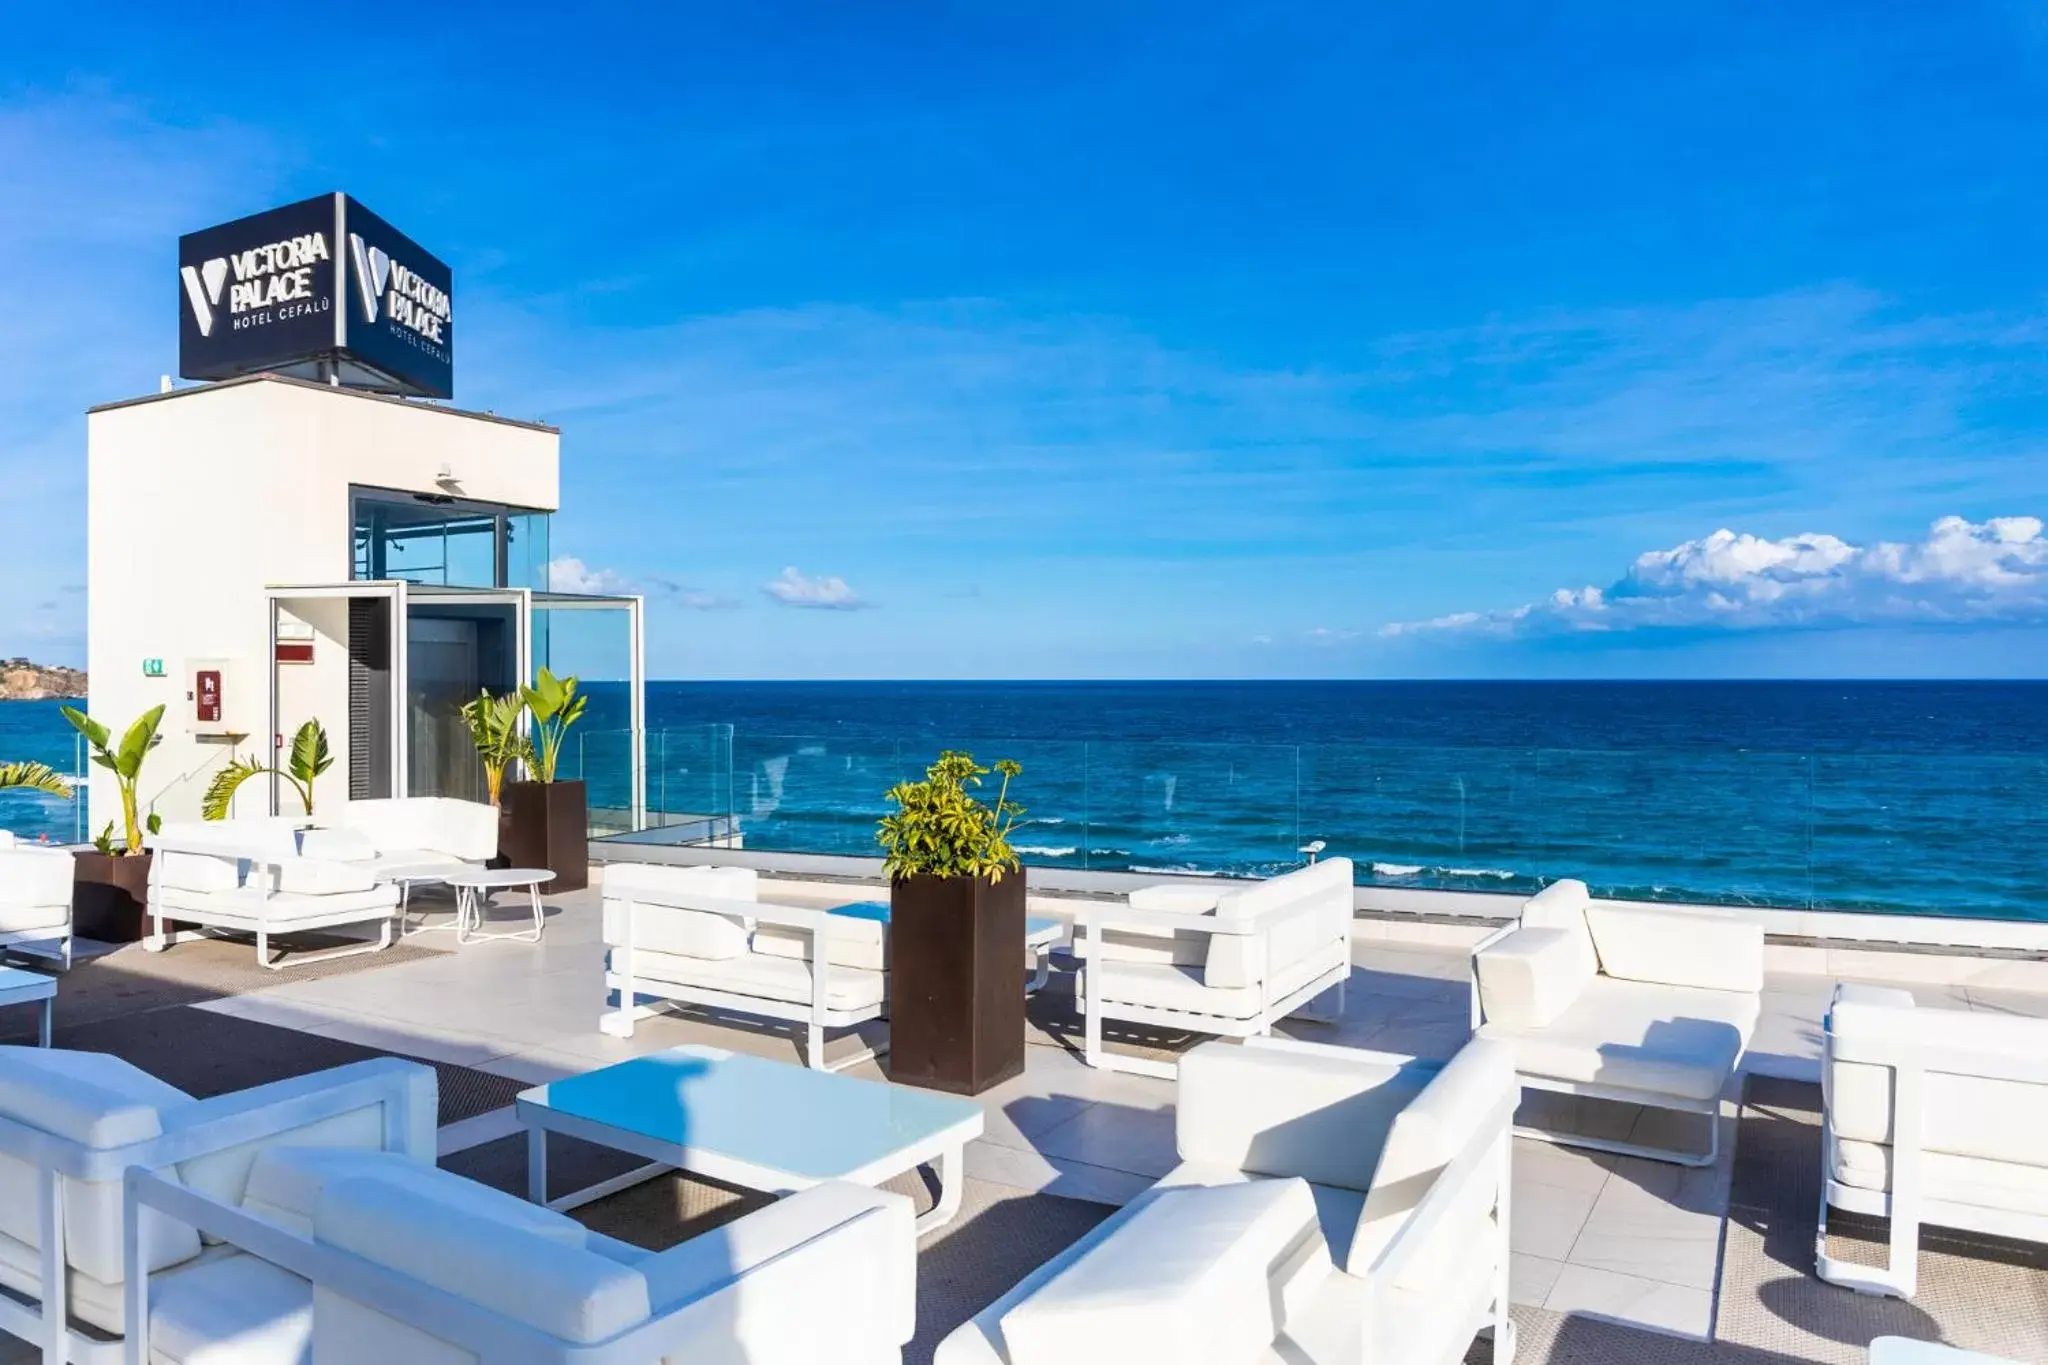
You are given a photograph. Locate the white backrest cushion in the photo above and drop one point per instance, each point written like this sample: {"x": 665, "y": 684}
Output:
{"x": 99, "y": 1102}
{"x": 345, "y": 1331}
{"x": 1531, "y": 977}
{"x": 337, "y": 844}
{"x": 1188, "y": 1279}
{"x": 1275, "y": 1112}
{"x": 1562, "y": 905}
{"x": 484, "y": 1246}
{"x": 850, "y": 941}
{"x": 1703, "y": 950}
{"x": 33, "y": 877}
{"x": 640, "y": 889}
{"x": 464, "y": 830}
{"x": 1426, "y": 1137}
{"x": 1321, "y": 892}
{"x": 1973, "y": 1116}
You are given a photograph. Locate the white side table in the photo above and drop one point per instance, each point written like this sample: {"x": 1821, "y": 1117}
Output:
{"x": 18, "y": 987}
{"x": 405, "y": 876}
{"x": 473, "y": 895}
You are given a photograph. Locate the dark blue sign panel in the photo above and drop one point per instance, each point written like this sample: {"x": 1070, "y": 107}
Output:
{"x": 399, "y": 306}
{"x": 257, "y": 293}
{"x": 323, "y": 287}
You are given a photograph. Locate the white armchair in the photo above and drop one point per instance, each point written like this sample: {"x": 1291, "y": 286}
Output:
{"x": 1931, "y": 1116}
{"x": 1331, "y": 1206}
{"x": 398, "y": 1262}
{"x": 248, "y": 876}
{"x": 702, "y": 936}
{"x": 73, "y": 1123}
{"x": 1263, "y": 953}
{"x": 1622, "y": 1003}
{"x": 35, "y": 897}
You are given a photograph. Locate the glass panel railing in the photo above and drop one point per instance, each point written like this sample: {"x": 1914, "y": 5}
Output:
{"x": 1890, "y": 832}
{"x": 34, "y": 732}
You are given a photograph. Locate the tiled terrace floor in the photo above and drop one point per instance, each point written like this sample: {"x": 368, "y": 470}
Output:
{"x": 1619, "y": 1238}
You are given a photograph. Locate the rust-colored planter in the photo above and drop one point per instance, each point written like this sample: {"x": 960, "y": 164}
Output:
{"x": 956, "y": 983}
{"x": 546, "y": 824}
{"x": 108, "y": 895}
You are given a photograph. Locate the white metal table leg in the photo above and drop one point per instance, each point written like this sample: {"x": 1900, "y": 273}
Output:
{"x": 537, "y": 1165}
{"x": 950, "y": 1188}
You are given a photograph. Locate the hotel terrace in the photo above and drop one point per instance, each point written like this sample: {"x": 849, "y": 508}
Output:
{"x": 400, "y": 1082}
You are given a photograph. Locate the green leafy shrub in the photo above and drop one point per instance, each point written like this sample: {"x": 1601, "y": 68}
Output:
{"x": 941, "y": 829}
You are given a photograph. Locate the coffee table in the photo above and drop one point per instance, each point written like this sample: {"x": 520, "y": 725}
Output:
{"x": 406, "y": 876}
{"x": 473, "y": 890}
{"x": 18, "y": 987}
{"x": 1042, "y": 934}
{"x": 749, "y": 1122}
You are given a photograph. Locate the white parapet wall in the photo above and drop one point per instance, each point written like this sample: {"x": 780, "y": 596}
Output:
{"x": 199, "y": 499}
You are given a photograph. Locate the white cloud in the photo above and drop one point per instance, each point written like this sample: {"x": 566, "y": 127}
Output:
{"x": 570, "y": 574}
{"x": 1962, "y": 572}
{"x": 794, "y": 588}
{"x": 1328, "y": 635}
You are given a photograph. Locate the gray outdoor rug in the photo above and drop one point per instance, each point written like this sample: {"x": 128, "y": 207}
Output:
{"x": 205, "y": 1053}
{"x": 129, "y": 980}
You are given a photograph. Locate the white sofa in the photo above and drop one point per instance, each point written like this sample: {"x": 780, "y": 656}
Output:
{"x": 73, "y": 1123}
{"x": 1264, "y": 952}
{"x": 1378, "y": 1236}
{"x": 249, "y": 876}
{"x": 373, "y": 1258}
{"x": 415, "y": 831}
{"x": 1933, "y": 1116}
{"x": 35, "y": 897}
{"x": 702, "y": 936}
{"x": 1621, "y": 1003}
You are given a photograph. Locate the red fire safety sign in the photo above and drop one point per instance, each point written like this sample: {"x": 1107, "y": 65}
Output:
{"x": 206, "y": 694}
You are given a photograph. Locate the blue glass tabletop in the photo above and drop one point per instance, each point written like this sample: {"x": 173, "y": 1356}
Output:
{"x": 14, "y": 979}
{"x": 787, "y": 1118}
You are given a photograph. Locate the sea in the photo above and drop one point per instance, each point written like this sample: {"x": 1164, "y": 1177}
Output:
{"x": 1920, "y": 797}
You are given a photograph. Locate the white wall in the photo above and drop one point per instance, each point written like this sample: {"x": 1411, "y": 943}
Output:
{"x": 199, "y": 499}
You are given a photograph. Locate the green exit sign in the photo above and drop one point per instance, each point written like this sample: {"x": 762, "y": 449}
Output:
{"x": 152, "y": 668}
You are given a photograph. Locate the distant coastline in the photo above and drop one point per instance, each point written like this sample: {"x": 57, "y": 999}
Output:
{"x": 21, "y": 680}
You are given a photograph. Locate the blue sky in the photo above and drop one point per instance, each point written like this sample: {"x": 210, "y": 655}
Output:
{"x": 1140, "y": 340}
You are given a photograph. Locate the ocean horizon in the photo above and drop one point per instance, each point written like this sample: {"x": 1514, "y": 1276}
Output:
{"x": 1927, "y": 797}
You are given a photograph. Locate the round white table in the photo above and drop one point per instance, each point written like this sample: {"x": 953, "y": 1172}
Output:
{"x": 473, "y": 890}
{"x": 405, "y": 876}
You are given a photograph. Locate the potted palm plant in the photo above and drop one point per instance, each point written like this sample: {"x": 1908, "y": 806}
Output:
{"x": 545, "y": 822}
{"x": 111, "y": 882}
{"x": 308, "y": 758}
{"x": 956, "y": 927}
{"x": 494, "y": 728}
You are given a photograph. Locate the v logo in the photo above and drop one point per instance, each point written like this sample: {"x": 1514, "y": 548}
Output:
{"x": 202, "y": 287}
{"x": 373, "y": 271}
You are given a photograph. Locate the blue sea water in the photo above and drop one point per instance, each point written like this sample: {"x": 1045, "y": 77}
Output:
{"x": 1924, "y": 797}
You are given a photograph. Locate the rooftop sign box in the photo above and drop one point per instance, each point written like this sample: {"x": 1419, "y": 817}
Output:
{"x": 320, "y": 288}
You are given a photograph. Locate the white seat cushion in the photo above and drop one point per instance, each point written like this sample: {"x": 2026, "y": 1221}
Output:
{"x": 1629, "y": 1035}
{"x": 770, "y": 978}
{"x": 1161, "y": 985}
{"x": 280, "y": 910}
{"x": 1188, "y": 1280}
{"x": 234, "y": 1309}
{"x": 22, "y": 919}
{"x": 99, "y": 1302}
{"x": 1968, "y": 1180}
